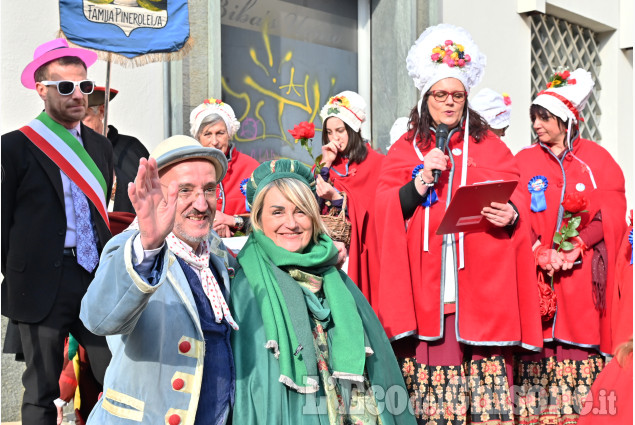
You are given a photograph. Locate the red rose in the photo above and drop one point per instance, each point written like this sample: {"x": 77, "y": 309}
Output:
{"x": 575, "y": 202}
{"x": 304, "y": 130}
{"x": 548, "y": 300}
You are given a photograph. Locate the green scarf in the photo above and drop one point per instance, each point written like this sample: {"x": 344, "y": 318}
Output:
{"x": 284, "y": 310}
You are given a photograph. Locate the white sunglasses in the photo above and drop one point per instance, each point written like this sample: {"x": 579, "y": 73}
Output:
{"x": 66, "y": 88}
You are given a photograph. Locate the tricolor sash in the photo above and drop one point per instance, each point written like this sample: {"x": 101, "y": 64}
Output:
{"x": 70, "y": 156}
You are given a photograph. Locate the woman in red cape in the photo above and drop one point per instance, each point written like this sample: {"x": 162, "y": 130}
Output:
{"x": 563, "y": 166}
{"x": 352, "y": 167}
{"x": 214, "y": 124}
{"x": 611, "y": 398}
{"x": 454, "y": 304}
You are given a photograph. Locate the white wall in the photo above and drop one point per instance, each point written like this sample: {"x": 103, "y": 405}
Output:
{"x": 504, "y": 37}
{"x": 138, "y": 108}
{"x": 503, "y": 34}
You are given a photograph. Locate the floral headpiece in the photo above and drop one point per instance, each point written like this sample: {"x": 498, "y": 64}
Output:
{"x": 445, "y": 51}
{"x": 211, "y": 101}
{"x": 339, "y": 101}
{"x": 560, "y": 78}
{"x": 214, "y": 106}
{"x": 506, "y": 99}
{"x": 451, "y": 54}
{"x": 348, "y": 106}
{"x": 567, "y": 94}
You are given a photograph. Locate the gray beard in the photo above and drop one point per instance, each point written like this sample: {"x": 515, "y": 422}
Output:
{"x": 193, "y": 239}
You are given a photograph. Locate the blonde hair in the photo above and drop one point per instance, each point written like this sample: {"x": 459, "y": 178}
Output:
{"x": 296, "y": 192}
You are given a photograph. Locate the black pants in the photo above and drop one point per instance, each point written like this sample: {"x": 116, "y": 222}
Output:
{"x": 43, "y": 346}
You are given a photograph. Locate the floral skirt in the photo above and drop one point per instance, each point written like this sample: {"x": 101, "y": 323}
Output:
{"x": 552, "y": 385}
{"x": 452, "y": 383}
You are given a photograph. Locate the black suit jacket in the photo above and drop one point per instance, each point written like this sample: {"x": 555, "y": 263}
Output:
{"x": 34, "y": 222}
{"x": 127, "y": 151}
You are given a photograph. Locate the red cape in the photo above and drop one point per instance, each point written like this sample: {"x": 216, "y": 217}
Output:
{"x": 611, "y": 397}
{"x": 577, "y": 320}
{"x": 622, "y": 304}
{"x": 239, "y": 167}
{"x": 360, "y": 186}
{"x": 497, "y": 299}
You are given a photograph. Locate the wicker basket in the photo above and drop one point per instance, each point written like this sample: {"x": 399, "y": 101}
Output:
{"x": 338, "y": 226}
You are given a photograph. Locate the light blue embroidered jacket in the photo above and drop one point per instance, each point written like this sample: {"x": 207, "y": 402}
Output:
{"x": 154, "y": 334}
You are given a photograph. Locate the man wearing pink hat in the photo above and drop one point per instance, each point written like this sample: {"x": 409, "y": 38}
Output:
{"x": 56, "y": 174}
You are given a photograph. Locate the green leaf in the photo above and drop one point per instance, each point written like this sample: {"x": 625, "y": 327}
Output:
{"x": 557, "y": 238}
{"x": 575, "y": 222}
{"x": 566, "y": 246}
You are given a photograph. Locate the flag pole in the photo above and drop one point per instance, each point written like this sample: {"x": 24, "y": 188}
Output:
{"x": 107, "y": 94}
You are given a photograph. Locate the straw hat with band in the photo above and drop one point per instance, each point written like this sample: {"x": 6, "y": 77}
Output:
{"x": 50, "y": 51}
{"x": 182, "y": 148}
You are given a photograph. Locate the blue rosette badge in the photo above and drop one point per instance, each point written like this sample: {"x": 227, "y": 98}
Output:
{"x": 431, "y": 196}
{"x": 243, "y": 190}
{"x": 537, "y": 186}
{"x": 630, "y": 239}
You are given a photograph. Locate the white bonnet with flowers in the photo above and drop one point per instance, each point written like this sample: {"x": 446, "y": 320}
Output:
{"x": 495, "y": 108}
{"x": 214, "y": 106}
{"x": 348, "y": 106}
{"x": 566, "y": 94}
{"x": 445, "y": 51}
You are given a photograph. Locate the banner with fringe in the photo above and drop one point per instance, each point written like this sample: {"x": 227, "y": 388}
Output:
{"x": 125, "y": 30}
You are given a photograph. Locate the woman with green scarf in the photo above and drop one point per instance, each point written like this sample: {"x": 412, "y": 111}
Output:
{"x": 310, "y": 350}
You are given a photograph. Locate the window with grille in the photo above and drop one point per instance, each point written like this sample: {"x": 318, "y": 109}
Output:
{"x": 556, "y": 42}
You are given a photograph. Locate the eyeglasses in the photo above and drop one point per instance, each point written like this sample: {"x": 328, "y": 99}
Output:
{"x": 187, "y": 193}
{"x": 442, "y": 95}
{"x": 66, "y": 88}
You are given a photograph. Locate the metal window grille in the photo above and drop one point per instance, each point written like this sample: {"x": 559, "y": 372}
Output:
{"x": 556, "y": 42}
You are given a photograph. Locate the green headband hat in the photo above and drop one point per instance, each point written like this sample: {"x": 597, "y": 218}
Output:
{"x": 278, "y": 169}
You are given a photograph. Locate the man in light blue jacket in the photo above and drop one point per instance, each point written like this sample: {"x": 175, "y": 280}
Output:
{"x": 159, "y": 296}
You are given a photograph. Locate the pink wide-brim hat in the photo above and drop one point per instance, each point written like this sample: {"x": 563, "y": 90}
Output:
{"x": 52, "y": 50}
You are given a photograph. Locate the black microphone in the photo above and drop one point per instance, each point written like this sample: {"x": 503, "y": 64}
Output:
{"x": 442, "y": 139}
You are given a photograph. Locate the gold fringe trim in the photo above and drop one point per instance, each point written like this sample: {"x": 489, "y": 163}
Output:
{"x": 137, "y": 60}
